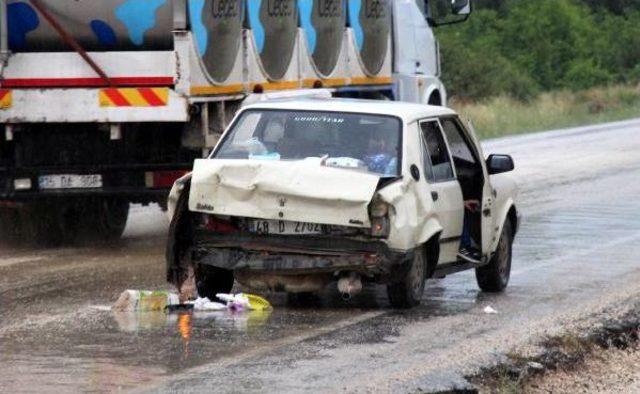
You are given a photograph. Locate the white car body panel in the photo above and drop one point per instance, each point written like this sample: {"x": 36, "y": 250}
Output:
{"x": 303, "y": 191}
{"x": 314, "y": 193}
{"x": 506, "y": 191}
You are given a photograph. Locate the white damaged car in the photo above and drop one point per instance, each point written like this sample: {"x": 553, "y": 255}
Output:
{"x": 302, "y": 193}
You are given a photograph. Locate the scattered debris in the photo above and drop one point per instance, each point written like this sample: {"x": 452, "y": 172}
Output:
{"x": 144, "y": 301}
{"x": 243, "y": 301}
{"x": 158, "y": 301}
{"x": 535, "y": 366}
{"x": 205, "y": 304}
{"x": 489, "y": 310}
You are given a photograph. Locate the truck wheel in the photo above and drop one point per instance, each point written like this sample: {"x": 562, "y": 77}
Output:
{"x": 105, "y": 218}
{"x": 9, "y": 225}
{"x": 494, "y": 277}
{"x": 212, "y": 280}
{"x": 114, "y": 215}
{"x": 48, "y": 223}
{"x": 407, "y": 292}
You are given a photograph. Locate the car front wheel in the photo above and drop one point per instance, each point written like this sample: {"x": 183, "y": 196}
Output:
{"x": 494, "y": 277}
{"x": 407, "y": 292}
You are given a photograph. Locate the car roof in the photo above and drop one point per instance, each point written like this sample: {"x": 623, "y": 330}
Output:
{"x": 406, "y": 111}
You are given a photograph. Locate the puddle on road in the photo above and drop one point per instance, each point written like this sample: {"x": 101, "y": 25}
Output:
{"x": 99, "y": 348}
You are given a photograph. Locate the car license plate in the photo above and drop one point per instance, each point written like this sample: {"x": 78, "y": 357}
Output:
{"x": 70, "y": 181}
{"x": 284, "y": 227}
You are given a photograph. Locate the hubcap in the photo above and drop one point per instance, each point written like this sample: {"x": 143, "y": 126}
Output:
{"x": 503, "y": 257}
{"x": 418, "y": 274}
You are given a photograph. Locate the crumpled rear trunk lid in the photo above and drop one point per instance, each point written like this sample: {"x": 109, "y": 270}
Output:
{"x": 303, "y": 191}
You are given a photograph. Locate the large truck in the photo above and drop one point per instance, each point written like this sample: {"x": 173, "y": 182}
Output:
{"x": 103, "y": 104}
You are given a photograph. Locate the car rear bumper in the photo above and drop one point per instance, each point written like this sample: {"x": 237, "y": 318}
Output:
{"x": 294, "y": 255}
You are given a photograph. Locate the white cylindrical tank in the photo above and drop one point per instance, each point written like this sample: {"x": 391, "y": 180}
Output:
{"x": 370, "y": 21}
{"x": 274, "y": 26}
{"x": 105, "y": 25}
{"x": 324, "y": 23}
{"x": 217, "y": 29}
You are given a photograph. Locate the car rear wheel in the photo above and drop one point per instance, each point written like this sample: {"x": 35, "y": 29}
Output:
{"x": 407, "y": 292}
{"x": 212, "y": 280}
{"x": 494, "y": 277}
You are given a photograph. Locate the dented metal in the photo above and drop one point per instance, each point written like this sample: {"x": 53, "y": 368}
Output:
{"x": 301, "y": 191}
{"x": 307, "y": 190}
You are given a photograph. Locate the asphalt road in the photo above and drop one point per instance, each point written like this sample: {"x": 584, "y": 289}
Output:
{"x": 576, "y": 256}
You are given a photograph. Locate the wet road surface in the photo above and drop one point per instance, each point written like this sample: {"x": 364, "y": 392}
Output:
{"x": 576, "y": 256}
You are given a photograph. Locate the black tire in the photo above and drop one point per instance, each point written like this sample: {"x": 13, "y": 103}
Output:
{"x": 494, "y": 277}
{"x": 111, "y": 218}
{"x": 103, "y": 219}
{"x": 52, "y": 222}
{"x": 212, "y": 280}
{"x": 47, "y": 223}
{"x": 407, "y": 292}
{"x": 9, "y": 226}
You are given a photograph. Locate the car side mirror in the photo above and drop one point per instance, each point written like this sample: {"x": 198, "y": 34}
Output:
{"x": 497, "y": 164}
{"x": 447, "y": 12}
{"x": 460, "y": 7}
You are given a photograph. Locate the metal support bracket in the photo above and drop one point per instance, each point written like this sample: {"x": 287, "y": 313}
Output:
{"x": 69, "y": 40}
{"x": 4, "y": 36}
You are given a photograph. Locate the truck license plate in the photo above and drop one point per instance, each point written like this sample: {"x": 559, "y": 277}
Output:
{"x": 70, "y": 181}
{"x": 284, "y": 227}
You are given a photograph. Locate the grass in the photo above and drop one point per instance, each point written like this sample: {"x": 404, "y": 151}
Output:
{"x": 501, "y": 116}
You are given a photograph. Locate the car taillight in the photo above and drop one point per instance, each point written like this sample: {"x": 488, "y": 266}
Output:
{"x": 378, "y": 208}
{"x": 162, "y": 179}
{"x": 218, "y": 225}
{"x": 379, "y": 214}
{"x": 380, "y": 227}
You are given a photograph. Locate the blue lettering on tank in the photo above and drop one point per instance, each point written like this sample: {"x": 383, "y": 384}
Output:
{"x": 253, "y": 8}
{"x": 197, "y": 25}
{"x": 138, "y": 16}
{"x": 306, "y": 9}
{"x": 22, "y": 19}
{"x": 104, "y": 33}
{"x": 354, "y": 20}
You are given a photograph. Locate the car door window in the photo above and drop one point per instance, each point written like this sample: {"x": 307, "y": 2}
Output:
{"x": 460, "y": 149}
{"x": 426, "y": 160}
{"x": 465, "y": 160}
{"x": 437, "y": 152}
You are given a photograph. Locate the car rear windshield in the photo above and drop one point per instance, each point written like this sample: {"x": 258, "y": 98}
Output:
{"x": 357, "y": 141}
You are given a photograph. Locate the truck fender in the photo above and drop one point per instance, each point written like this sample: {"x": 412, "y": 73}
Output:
{"x": 434, "y": 89}
{"x": 433, "y": 96}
